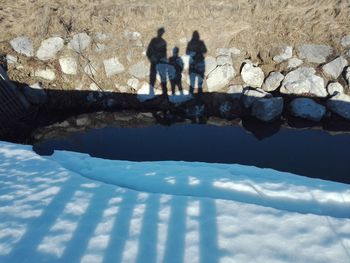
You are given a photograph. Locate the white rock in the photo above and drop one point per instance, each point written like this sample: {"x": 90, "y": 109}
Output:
{"x": 91, "y": 68}
{"x": 347, "y": 75}
{"x": 11, "y": 59}
{"x": 345, "y": 41}
{"x": 49, "y": 48}
{"x": 47, "y": 74}
{"x": 334, "y": 68}
{"x": 267, "y": 109}
{"x": 251, "y": 95}
{"x": 23, "y": 45}
{"x": 334, "y": 87}
{"x": 210, "y": 65}
{"x": 93, "y": 86}
{"x": 140, "y": 70}
{"x": 222, "y": 60}
{"x": 340, "y": 104}
{"x": 347, "y": 54}
{"x": 134, "y": 83}
{"x": 220, "y": 77}
{"x": 286, "y": 53}
{"x": 307, "y": 108}
{"x": 303, "y": 81}
{"x": 79, "y": 42}
{"x": 273, "y": 81}
{"x": 113, "y": 66}
{"x": 68, "y": 65}
{"x": 294, "y": 63}
{"x": 235, "y": 91}
{"x": 315, "y": 53}
{"x": 252, "y": 76}
{"x": 35, "y": 94}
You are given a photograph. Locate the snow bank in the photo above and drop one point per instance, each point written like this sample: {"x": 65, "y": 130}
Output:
{"x": 241, "y": 183}
{"x": 49, "y": 213}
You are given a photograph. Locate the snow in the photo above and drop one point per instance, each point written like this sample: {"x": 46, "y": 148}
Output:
{"x": 70, "y": 207}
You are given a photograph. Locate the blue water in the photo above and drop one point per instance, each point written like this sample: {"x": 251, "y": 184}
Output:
{"x": 312, "y": 153}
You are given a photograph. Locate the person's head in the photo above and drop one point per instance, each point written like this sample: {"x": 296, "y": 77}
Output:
{"x": 175, "y": 51}
{"x": 195, "y": 35}
{"x": 160, "y": 32}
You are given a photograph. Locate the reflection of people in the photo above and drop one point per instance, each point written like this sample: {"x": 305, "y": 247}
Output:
{"x": 175, "y": 71}
{"x": 156, "y": 53}
{"x": 196, "y": 50}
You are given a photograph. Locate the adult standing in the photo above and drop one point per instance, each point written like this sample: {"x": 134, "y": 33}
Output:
{"x": 157, "y": 55}
{"x": 196, "y": 50}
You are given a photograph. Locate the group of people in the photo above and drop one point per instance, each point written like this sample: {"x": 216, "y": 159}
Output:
{"x": 172, "y": 68}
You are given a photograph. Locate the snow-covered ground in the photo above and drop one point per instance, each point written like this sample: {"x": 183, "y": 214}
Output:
{"x": 70, "y": 207}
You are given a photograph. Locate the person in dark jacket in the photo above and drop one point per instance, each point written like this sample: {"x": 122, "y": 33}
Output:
{"x": 175, "y": 71}
{"x": 196, "y": 50}
{"x": 157, "y": 55}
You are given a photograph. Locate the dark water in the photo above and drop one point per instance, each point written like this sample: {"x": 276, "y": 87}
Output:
{"x": 313, "y": 153}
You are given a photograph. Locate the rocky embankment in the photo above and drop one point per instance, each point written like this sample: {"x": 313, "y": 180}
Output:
{"x": 309, "y": 81}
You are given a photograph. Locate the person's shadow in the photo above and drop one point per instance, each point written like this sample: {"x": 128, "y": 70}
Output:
{"x": 175, "y": 71}
{"x": 196, "y": 50}
{"x": 157, "y": 55}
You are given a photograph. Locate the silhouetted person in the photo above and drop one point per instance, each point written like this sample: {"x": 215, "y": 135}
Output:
{"x": 156, "y": 53}
{"x": 196, "y": 50}
{"x": 175, "y": 71}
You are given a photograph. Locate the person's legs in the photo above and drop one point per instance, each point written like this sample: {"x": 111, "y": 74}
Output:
{"x": 152, "y": 77}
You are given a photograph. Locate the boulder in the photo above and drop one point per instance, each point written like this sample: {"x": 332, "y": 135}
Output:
{"x": 113, "y": 66}
{"x": 345, "y": 41}
{"x": 267, "y": 109}
{"x": 235, "y": 91}
{"x": 79, "y": 42}
{"x": 347, "y": 75}
{"x": 252, "y": 76}
{"x": 23, "y": 45}
{"x": 315, "y": 53}
{"x": 49, "y": 48}
{"x": 47, "y": 74}
{"x": 303, "y": 81}
{"x": 334, "y": 88}
{"x": 307, "y": 109}
{"x": 68, "y": 65}
{"x": 35, "y": 94}
{"x": 251, "y": 95}
{"x": 222, "y": 60}
{"x": 334, "y": 68}
{"x": 273, "y": 81}
{"x": 286, "y": 53}
{"x": 210, "y": 65}
{"x": 340, "y": 104}
{"x": 220, "y": 77}
{"x": 134, "y": 83}
{"x": 140, "y": 70}
{"x": 11, "y": 59}
{"x": 294, "y": 63}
